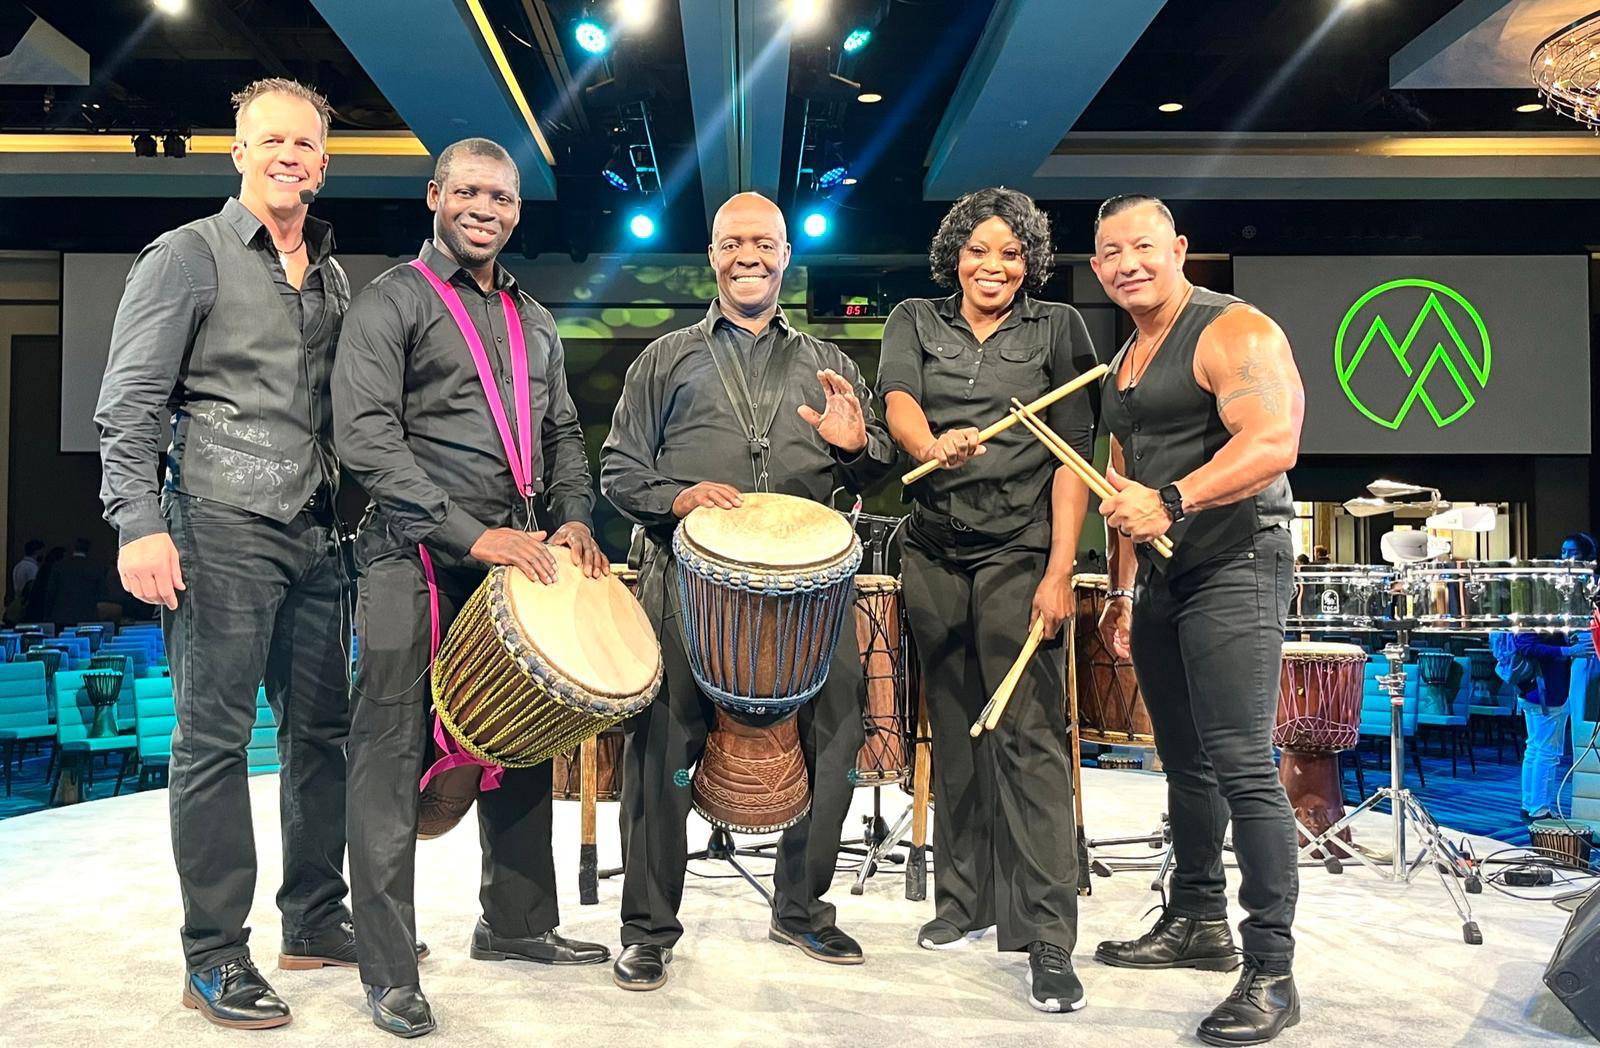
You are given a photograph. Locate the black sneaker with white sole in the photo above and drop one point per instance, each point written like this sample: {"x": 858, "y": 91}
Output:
{"x": 1052, "y": 985}
{"x": 940, "y": 934}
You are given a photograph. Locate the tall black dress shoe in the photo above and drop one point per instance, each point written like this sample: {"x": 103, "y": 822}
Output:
{"x": 334, "y": 946}
{"x": 234, "y": 994}
{"x": 642, "y": 966}
{"x": 823, "y": 944}
{"x": 1175, "y": 942}
{"x": 549, "y": 948}
{"x": 1260, "y": 1007}
{"x": 400, "y": 1010}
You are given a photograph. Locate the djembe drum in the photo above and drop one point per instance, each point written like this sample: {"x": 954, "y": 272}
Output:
{"x": 1111, "y": 710}
{"x": 1435, "y": 668}
{"x": 567, "y": 768}
{"x": 1319, "y": 715}
{"x": 1568, "y": 843}
{"x": 531, "y": 670}
{"x": 103, "y": 687}
{"x": 763, "y": 591}
{"x": 881, "y": 637}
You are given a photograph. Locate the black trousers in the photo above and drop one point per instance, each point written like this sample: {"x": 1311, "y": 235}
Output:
{"x": 1005, "y": 844}
{"x": 390, "y": 747}
{"x": 263, "y": 604}
{"x": 665, "y": 742}
{"x": 1207, "y": 647}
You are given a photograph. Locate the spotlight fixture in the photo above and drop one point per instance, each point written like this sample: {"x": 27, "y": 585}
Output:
{"x": 815, "y": 225}
{"x": 144, "y": 144}
{"x": 613, "y": 172}
{"x": 859, "y": 37}
{"x": 805, "y": 14}
{"x": 642, "y": 226}
{"x": 591, "y": 36}
{"x": 1170, "y": 107}
{"x": 634, "y": 14}
{"x": 1530, "y": 107}
{"x": 615, "y": 180}
{"x": 174, "y": 145}
{"x": 171, "y": 8}
{"x": 833, "y": 176}
{"x": 867, "y": 98}
{"x": 848, "y": 180}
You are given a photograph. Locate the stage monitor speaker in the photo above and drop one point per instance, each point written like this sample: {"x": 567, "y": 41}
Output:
{"x": 1573, "y": 973}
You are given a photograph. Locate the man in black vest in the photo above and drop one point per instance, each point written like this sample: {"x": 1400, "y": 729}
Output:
{"x": 224, "y": 338}
{"x": 677, "y": 443}
{"x": 414, "y": 424}
{"x": 1204, "y": 406}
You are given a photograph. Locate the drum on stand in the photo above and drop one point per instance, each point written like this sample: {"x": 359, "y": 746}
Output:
{"x": 530, "y": 670}
{"x": 881, "y": 637}
{"x": 1354, "y": 598}
{"x": 1111, "y": 711}
{"x": 1477, "y": 596}
{"x": 1319, "y": 715}
{"x": 763, "y": 593}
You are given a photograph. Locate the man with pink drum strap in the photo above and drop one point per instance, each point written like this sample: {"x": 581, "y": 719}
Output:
{"x": 446, "y": 373}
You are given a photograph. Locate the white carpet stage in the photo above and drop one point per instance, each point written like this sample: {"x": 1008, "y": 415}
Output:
{"x": 89, "y": 951}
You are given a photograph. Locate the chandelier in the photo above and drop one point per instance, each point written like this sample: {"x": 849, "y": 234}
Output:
{"x": 1566, "y": 70}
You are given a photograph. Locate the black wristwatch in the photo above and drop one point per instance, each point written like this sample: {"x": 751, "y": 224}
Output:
{"x": 1172, "y": 502}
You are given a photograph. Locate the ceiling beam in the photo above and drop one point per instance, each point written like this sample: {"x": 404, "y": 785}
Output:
{"x": 1481, "y": 44}
{"x": 464, "y": 88}
{"x": 225, "y": 18}
{"x": 738, "y": 64}
{"x": 1036, "y": 68}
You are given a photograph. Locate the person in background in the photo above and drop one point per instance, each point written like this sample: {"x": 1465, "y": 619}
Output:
{"x": 35, "y": 608}
{"x": 26, "y": 569}
{"x": 1301, "y": 560}
{"x": 1320, "y": 555}
{"x": 73, "y": 593}
{"x": 1580, "y": 545}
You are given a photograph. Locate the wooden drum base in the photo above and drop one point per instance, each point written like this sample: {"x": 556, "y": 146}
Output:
{"x": 1311, "y": 779}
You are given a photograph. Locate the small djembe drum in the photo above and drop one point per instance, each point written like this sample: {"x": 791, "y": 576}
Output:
{"x": 1436, "y": 669}
{"x": 1568, "y": 843}
{"x": 886, "y": 754}
{"x": 103, "y": 686}
{"x": 532, "y": 670}
{"x": 51, "y": 657}
{"x": 1319, "y": 715}
{"x": 95, "y": 635}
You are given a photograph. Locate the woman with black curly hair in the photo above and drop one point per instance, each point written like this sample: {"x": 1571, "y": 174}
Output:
{"x": 988, "y": 548}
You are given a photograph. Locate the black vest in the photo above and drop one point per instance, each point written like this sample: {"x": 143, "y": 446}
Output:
{"x": 1169, "y": 427}
{"x": 242, "y": 421}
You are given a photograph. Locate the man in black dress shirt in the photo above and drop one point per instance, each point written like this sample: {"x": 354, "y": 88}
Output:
{"x": 413, "y": 424}
{"x": 224, "y": 340}
{"x": 677, "y": 442}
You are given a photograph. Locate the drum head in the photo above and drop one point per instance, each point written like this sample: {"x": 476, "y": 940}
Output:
{"x": 876, "y": 584}
{"x": 590, "y": 631}
{"x": 777, "y": 532}
{"x": 1312, "y": 650}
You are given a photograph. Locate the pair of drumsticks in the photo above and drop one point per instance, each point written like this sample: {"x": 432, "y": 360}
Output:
{"x": 1027, "y": 415}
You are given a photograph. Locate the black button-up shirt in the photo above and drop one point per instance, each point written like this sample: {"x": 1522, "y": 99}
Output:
{"x": 170, "y": 291}
{"x": 412, "y": 423}
{"x": 931, "y": 354}
{"x": 675, "y": 426}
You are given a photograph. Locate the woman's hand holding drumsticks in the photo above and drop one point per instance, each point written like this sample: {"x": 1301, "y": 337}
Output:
{"x": 1075, "y": 462}
{"x": 1094, "y": 374}
{"x": 989, "y": 719}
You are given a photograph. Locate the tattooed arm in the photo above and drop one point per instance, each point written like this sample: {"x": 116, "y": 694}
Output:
{"x": 1244, "y": 360}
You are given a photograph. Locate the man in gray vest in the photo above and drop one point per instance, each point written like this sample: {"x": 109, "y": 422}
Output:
{"x": 224, "y": 339}
{"x": 1204, "y": 406}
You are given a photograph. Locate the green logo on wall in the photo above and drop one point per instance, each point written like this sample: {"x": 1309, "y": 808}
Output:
{"x": 1442, "y": 362}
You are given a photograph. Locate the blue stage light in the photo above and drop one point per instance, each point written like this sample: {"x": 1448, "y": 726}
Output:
{"x": 857, "y": 39}
{"x": 616, "y": 180}
{"x": 642, "y": 226}
{"x": 832, "y": 177}
{"x": 815, "y": 224}
{"x": 592, "y": 37}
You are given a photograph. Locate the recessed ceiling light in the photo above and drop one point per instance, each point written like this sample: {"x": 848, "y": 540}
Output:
{"x": 170, "y": 7}
{"x": 869, "y": 97}
{"x": 1171, "y": 107}
{"x": 1530, "y": 107}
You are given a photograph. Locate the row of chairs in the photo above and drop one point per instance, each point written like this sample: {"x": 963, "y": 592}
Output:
{"x": 146, "y": 717}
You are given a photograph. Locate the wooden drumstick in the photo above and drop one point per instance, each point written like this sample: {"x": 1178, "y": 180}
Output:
{"x": 990, "y": 717}
{"x": 1077, "y": 463}
{"x": 1092, "y": 375}
{"x": 588, "y": 756}
{"x": 1074, "y": 742}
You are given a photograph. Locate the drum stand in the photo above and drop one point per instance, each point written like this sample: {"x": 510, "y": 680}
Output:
{"x": 877, "y": 842}
{"x": 1436, "y": 851}
{"x": 1160, "y": 838}
{"x": 722, "y": 847}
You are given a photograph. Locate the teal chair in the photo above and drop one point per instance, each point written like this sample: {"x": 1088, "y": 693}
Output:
{"x": 262, "y": 756}
{"x": 74, "y": 715}
{"x": 24, "y": 711}
{"x": 154, "y": 719}
{"x": 1375, "y": 719}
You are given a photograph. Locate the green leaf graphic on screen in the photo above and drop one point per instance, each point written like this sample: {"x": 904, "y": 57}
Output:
{"x": 1453, "y": 357}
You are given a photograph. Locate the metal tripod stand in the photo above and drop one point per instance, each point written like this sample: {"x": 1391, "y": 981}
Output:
{"x": 1436, "y": 851}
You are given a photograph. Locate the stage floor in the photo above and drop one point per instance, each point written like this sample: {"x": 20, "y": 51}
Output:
{"x": 88, "y": 945}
